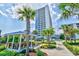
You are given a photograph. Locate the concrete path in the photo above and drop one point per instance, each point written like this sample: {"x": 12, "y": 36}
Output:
{"x": 61, "y": 50}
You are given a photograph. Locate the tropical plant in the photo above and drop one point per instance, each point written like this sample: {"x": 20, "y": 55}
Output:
{"x": 48, "y": 32}
{"x": 2, "y": 47}
{"x": 69, "y": 31}
{"x": 28, "y": 14}
{"x": 62, "y": 36}
{"x": 69, "y": 9}
{"x": 40, "y": 53}
{"x": 35, "y": 32}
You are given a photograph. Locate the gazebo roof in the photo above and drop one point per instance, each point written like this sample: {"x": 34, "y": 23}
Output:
{"x": 18, "y": 32}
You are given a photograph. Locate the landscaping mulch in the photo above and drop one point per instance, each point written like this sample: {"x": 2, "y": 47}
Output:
{"x": 32, "y": 54}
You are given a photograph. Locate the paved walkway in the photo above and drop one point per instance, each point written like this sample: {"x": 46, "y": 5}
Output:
{"x": 61, "y": 50}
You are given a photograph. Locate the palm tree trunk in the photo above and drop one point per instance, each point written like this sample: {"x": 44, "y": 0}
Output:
{"x": 48, "y": 39}
{"x": 70, "y": 39}
{"x": 28, "y": 36}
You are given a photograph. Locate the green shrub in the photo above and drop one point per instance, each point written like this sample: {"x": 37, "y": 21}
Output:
{"x": 20, "y": 54}
{"x": 10, "y": 38}
{"x": 74, "y": 49}
{"x": 3, "y": 39}
{"x": 2, "y": 47}
{"x": 7, "y": 53}
{"x": 16, "y": 38}
{"x": 52, "y": 42}
{"x": 44, "y": 46}
{"x": 51, "y": 46}
{"x": 62, "y": 36}
{"x": 40, "y": 53}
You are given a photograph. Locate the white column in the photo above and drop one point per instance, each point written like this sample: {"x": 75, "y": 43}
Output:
{"x": 20, "y": 42}
{"x": 31, "y": 41}
{"x": 13, "y": 41}
{"x": 7, "y": 41}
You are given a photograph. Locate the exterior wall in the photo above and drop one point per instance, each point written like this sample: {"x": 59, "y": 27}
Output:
{"x": 43, "y": 19}
{"x": 47, "y": 17}
{"x": 40, "y": 20}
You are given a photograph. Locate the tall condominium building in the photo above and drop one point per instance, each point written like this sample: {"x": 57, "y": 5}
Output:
{"x": 49, "y": 16}
{"x": 43, "y": 19}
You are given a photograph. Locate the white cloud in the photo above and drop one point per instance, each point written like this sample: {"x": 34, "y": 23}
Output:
{"x": 12, "y": 11}
{"x": 8, "y": 11}
{"x": 2, "y": 13}
{"x": 16, "y": 7}
{"x": 59, "y": 31}
{"x": 54, "y": 5}
{"x": 54, "y": 12}
{"x": 58, "y": 16}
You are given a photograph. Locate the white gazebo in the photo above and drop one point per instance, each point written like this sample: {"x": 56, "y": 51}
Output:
{"x": 18, "y": 46}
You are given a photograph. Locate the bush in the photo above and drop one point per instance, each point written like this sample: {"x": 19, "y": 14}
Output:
{"x": 51, "y": 46}
{"x": 3, "y": 39}
{"x": 75, "y": 50}
{"x": 7, "y": 53}
{"x": 40, "y": 53}
{"x": 72, "y": 48}
{"x": 20, "y": 54}
{"x": 62, "y": 36}
{"x": 2, "y": 47}
{"x": 52, "y": 42}
{"x": 44, "y": 46}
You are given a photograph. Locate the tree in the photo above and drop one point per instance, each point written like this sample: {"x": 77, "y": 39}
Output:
{"x": 65, "y": 29}
{"x": 28, "y": 14}
{"x": 35, "y": 32}
{"x": 48, "y": 32}
{"x": 69, "y": 9}
{"x": 69, "y": 31}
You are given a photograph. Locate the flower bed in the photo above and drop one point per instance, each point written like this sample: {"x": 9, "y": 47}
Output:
{"x": 50, "y": 45}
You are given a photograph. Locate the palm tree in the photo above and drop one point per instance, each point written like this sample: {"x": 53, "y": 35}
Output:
{"x": 69, "y": 9}
{"x": 48, "y": 32}
{"x": 65, "y": 29}
{"x": 69, "y": 31}
{"x": 35, "y": 32}
{"x": 28, "y": 14}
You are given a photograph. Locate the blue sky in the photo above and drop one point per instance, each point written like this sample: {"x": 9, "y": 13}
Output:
{"x": 8, "y": 18}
